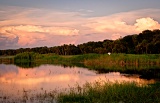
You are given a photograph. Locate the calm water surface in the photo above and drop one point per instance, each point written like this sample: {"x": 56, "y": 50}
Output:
{"x": 15, "y": 81}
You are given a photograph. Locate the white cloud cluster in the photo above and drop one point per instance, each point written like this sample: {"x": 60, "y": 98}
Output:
{"x": 117, "y": 28}
{"x": 146, "y": 23}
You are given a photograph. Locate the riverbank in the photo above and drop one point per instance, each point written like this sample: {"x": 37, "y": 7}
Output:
{"x": 93, "y": 60}
{"x": 146, "y": 65}
{"x": 7, "y": 59}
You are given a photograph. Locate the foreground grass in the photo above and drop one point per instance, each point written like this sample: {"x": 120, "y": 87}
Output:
{"x": 97, "y": 92}
{"x": 104, "y": 92}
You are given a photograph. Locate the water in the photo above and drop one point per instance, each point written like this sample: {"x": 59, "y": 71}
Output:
{"x": 17, "y": 84}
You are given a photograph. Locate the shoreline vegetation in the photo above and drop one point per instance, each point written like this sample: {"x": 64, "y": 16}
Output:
{"x": 90, "y": 59}
{"x": 146, "y": 65}
{"x": 109, "y": 92}
{"x": 97, "y": 92}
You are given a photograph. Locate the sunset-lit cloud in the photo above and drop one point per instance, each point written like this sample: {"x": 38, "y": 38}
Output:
{"x": 121, "y": 28}
{"x": 28, "y": 34}
{"x": 146, "y": 23}
{"x": 126, "y": 23}
{"x": 30, "y": 27}
{"x": 40, "y": 29}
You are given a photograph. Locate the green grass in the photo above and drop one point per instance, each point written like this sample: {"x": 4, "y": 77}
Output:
{"x": 97, "y": 92}
{"x": 93, "y": 59}
{"x": 147, "y": 65}
{"x": 104, "y": 92}
{"x": 27, "y": 57}
{"x": 69, "y": 58}
{"x": 124, "y": 59}
{"x": 7, "y": 59}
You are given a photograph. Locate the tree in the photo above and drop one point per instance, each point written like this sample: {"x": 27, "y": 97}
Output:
{"x": 119, "y": 47}
{"x": 107, "y": 44}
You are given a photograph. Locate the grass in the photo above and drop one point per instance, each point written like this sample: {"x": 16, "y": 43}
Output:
{"x": 104, "y": 92}
{"x": 27, "y": 57}
{"x": 124, "y": 59}
{"x": 68, "y": 58}
{"x": 146, "y": 65}
{"x": 92, "y": 59}
{"x": 96, "y": 92}
{"x": 7, "y": 60}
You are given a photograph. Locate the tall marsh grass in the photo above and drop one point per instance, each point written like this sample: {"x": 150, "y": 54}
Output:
{"x": 68, "y": 58}
{"x": 94, "y": 59}
{"x": 147, "y": 65}
{"x": 125, "y": 59}
{"x": 104, "y": 92}
{"x": 96, "y": 92}
{"x": 27, "y": 57}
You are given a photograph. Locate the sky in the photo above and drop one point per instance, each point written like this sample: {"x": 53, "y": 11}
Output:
{"x": 36, "y": 23}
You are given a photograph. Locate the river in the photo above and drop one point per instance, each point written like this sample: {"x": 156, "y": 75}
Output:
{"x": 17, "y": 82}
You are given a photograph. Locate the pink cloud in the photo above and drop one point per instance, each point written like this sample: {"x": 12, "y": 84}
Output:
{"x": 29, "y": 34}
{"x": 40, "y": 29}
{"x": 29, "y": 27}
{"x": 122, "y": 24}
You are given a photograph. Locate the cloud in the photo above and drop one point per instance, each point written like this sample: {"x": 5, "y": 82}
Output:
{"x": 115, "y": 36}
{"x": 30, "y": 27}
{"x": 40, "y": 29}
{"x": 121, "y": 28}
{"x": 33, "y": 16}
{"x": 8, "y": 41}
{"x": 30, "y": 35}
{"x": 146, "y": 23}
{"x": 122, "y": 24}
{"x": 85, "y": 12}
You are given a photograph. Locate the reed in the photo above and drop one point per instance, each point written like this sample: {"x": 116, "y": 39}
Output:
{"x": 105, "y": 92}
{"x": 95, "y": 92}
{"x": 147, "y": 65}
{"x": 93, "y": 59}
{"x": 125, "y": 59}
{"x": 27, "y": 57}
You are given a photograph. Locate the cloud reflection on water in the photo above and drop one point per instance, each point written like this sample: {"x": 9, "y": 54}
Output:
{"x": 14, "y": 79}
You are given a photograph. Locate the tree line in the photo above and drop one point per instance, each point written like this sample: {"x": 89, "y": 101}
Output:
{"x": 147, "y": 42}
